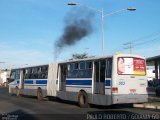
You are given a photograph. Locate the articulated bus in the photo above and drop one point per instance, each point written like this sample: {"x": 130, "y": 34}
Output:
{"x": 107, "y": 80}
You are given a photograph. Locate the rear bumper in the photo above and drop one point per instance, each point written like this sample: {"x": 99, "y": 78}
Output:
{"x": 128, "y": 98}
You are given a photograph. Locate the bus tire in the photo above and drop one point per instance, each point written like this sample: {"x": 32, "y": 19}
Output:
{"x": 83, "y": 99}
{"x": 39, "y": 94}
{"x": 17, "y": 91}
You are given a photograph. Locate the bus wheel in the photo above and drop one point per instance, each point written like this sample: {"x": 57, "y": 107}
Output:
{"x": 17, "y": 91}
{"x": 83, "y": 99}
{"x": 39, "y": 94}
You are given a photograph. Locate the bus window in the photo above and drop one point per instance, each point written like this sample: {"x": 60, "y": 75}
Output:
{"x": 43, "y": 74}
{"x": 109, "y": 68}
{"x": 40, "y": 72}
{"x": 78, "y": 70}
{"x": 26, "y": 71}
{"x": 13, "y": 75}
{"x": 76, "y": 66}
{"x": 82, "y": 65}
{"x": 35, "y": 70}
{"x": 88, "y": 73}
{"x": 44, "y": 69}
{"x": 69, "y": 67}
{"x": 70, "y": 70}
{"x": 29, "y": 70}
{"x": 75, "y": 71}
{"x": 17, "y": 74}
{"x": 27, "y": 76}
{"x": 82, "y": 69}
{"x": 88, "y": 65}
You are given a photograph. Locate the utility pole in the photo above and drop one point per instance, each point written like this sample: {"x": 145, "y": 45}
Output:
{"x": 129, "y": 46}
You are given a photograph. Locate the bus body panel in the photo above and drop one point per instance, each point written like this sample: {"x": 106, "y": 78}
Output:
{"x": 130, "y": 88}
{"x": 12, "y": 85}
{"x": 52, "y": 80}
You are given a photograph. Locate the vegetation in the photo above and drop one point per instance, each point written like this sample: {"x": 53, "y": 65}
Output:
{"x": 79, "y": 56}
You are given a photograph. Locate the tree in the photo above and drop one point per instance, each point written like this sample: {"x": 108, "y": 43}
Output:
{"x": 79, "y": 56}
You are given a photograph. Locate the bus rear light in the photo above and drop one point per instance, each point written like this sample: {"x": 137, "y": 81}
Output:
{"x": 115, "y": 90}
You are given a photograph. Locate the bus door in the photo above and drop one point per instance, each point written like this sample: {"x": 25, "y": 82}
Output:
{"x": 63, "y": 72}
{"x": 99, "y": 77}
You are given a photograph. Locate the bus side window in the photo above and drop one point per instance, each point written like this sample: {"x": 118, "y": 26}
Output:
{"x": 76, "y": 70}
{"x": 17, "y": 74}
{"x": 13, "y": 75}
{"x": 28, "y": 74}
{"x": 82, "y": 65}
{"x": 76, "y": 66}
{"x": 70, "y": 70}
{"x": 39, "y": 69}
{"x": 79, "y": 70}
{"x": 88, "y": 65}
{"x": 109, "y": 68}
{"x": 82, "y": 69}
{"x": 88, "y": 73}
{"x": 42, "y": 72}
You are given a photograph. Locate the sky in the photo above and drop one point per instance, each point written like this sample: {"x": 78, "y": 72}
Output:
{"x": 30, "y": 28}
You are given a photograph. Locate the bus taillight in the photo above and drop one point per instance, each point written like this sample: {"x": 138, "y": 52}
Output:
{"x": 114, "y": 89}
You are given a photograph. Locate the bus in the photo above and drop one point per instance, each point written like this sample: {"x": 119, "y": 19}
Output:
{"x": 108, "y": 80}
{"x": 29, "y": 81}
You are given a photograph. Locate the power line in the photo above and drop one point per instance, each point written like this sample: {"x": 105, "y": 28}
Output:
{"x": 145, "y": 42}
{"x": 134, "y": 43}
{"x": 146, "y": 37}
{"x": 141, "y": 41}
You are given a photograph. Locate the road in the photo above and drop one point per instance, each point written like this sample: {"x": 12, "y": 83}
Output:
{"x": 29, "y": 108}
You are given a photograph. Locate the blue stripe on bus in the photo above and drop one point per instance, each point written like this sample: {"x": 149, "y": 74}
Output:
{"x": 31, "y": 82}
{"x": 68, "y": 82}
{"x": 41, "y": 81}
{"x": 107, "y": 82}
{"x": 28, "y": 82}
{"x": 78, "y": 82}
{"x": 78, "y": 86}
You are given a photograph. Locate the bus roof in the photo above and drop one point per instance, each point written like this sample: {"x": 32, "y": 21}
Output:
{"x": 30, "y": 66}
{"x": 101, "y": 57}
{"x": 85, "y": 59}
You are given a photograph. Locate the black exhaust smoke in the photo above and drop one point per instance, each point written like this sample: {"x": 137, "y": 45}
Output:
{"x": 78, "y": 24}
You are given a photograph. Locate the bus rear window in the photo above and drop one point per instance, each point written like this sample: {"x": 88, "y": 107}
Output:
{"x": 131, "y": 66}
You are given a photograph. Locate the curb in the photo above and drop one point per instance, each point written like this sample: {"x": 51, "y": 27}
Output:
{"x": 148, "y": 106}
{"x": 138, "y": 105}
{"x": 158, "y": 107}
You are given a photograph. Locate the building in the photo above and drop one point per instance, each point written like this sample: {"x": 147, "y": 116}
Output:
{"x": 154, "y": 62}
{"x": 4, "y": 77}
{"x": 150, "y": 73}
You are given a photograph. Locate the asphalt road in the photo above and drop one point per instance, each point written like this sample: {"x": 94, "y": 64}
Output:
{"x": 29, "y": 108}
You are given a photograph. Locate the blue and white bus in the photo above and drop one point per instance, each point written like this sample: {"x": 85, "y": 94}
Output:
{"x": 107, "y": 80}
